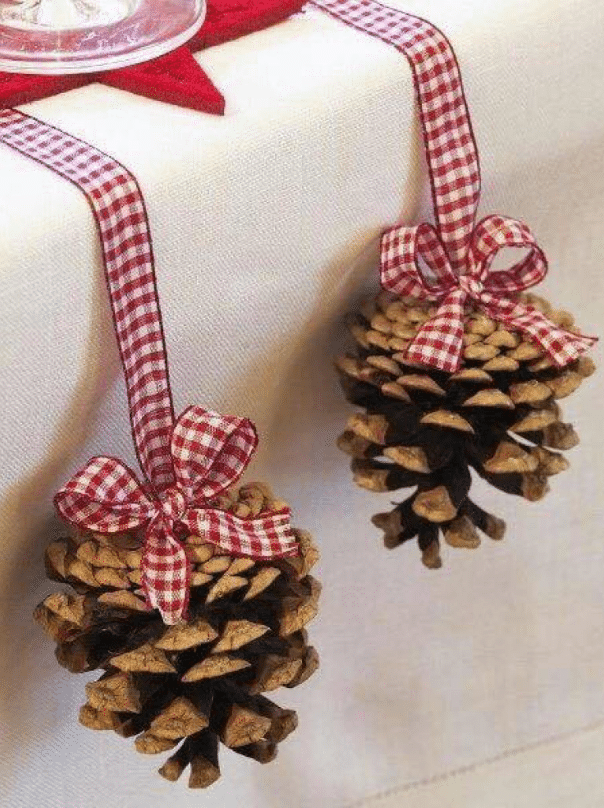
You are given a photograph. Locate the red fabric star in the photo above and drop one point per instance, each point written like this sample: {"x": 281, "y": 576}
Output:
{"x": 175, "y": 78}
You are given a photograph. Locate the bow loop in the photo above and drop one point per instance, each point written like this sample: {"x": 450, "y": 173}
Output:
{"x": 401, "y": 273}
{"x": 105, "y": 496}
{"x": 496, "y": 233}
{"x": 263, "y": 537}
{"x": 211, "y": 451}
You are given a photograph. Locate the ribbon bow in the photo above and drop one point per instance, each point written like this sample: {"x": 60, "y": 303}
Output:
{"x": 209, "y": 453}
{"x": 439, "y": 342}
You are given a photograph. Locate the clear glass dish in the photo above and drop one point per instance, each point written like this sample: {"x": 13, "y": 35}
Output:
{"x": 87, "y": 36}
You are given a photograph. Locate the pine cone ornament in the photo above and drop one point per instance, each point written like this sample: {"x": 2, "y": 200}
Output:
{"x": 194, "y": 684}
{"x": 426, "y": 429}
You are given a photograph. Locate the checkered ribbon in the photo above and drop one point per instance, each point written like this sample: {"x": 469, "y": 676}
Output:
{"x": 439, "y": 342}
{"x": 119, "y": 210}
{"x": 185, "y": 462}
{"x": 209, "y": 453}
{"x": 450, "y": 147}
{"x": 458, "y": 253}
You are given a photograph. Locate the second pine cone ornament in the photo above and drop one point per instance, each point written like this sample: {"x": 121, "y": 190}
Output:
{"x": 428, "y": 429}
{"x": 456, "y": 368}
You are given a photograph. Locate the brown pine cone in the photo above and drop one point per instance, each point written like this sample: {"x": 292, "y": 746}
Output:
{"x": 196, "y": 683}
{"x": 426, "y": 429}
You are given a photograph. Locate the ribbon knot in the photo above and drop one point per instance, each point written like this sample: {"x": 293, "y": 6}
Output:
{"x": 209, "y": 454}
{"x": 173, "y": 504}
{"x": 471, "y": 286}
{"x": 439, "y": 342}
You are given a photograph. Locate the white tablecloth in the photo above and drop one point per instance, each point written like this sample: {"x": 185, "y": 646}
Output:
{"x": 264, "y": 225}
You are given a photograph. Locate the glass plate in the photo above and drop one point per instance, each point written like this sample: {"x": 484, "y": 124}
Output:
{"x": 86, "y": 36}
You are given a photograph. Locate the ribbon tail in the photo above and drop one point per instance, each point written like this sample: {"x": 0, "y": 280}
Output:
{"x": 439, "y": 342}
{"x": 560, "y": 345}
{"x": 264, "y": 537}
{"x": 165, "y": 573}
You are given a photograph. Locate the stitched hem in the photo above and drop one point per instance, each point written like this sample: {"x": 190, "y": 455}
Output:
{"x": 414, "y": 785}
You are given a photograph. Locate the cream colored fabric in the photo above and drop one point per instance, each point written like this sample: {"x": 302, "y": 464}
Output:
{"x": 555, "y": 774}
{"x": 264, "y": 225}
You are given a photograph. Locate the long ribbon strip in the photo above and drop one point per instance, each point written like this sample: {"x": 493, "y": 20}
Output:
{"x": 449, "y": 142}
{"x": 119, "y": 211}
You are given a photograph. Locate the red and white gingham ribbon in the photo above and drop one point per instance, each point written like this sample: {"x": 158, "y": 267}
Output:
{"x": 458, "y": 253}
{"x": 439, "y": 342}
{"x": 185, "y": 462}
{"x": 449, "y": 142}
{"x": 209, "y": 453}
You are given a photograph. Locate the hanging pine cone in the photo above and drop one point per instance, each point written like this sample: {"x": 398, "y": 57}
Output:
{"x": 426, "y": 429}
{"x": 195, "y": 683}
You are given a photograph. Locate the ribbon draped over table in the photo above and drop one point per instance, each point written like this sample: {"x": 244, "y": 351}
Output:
{"x": 186, "y": 462}
{"x": 210, "y": 452}
{"x": 458, "y": 252}
{"x": 439, "y": 343}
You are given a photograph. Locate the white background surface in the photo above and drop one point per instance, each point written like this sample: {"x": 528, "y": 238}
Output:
{"x": 264, "y": 225}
